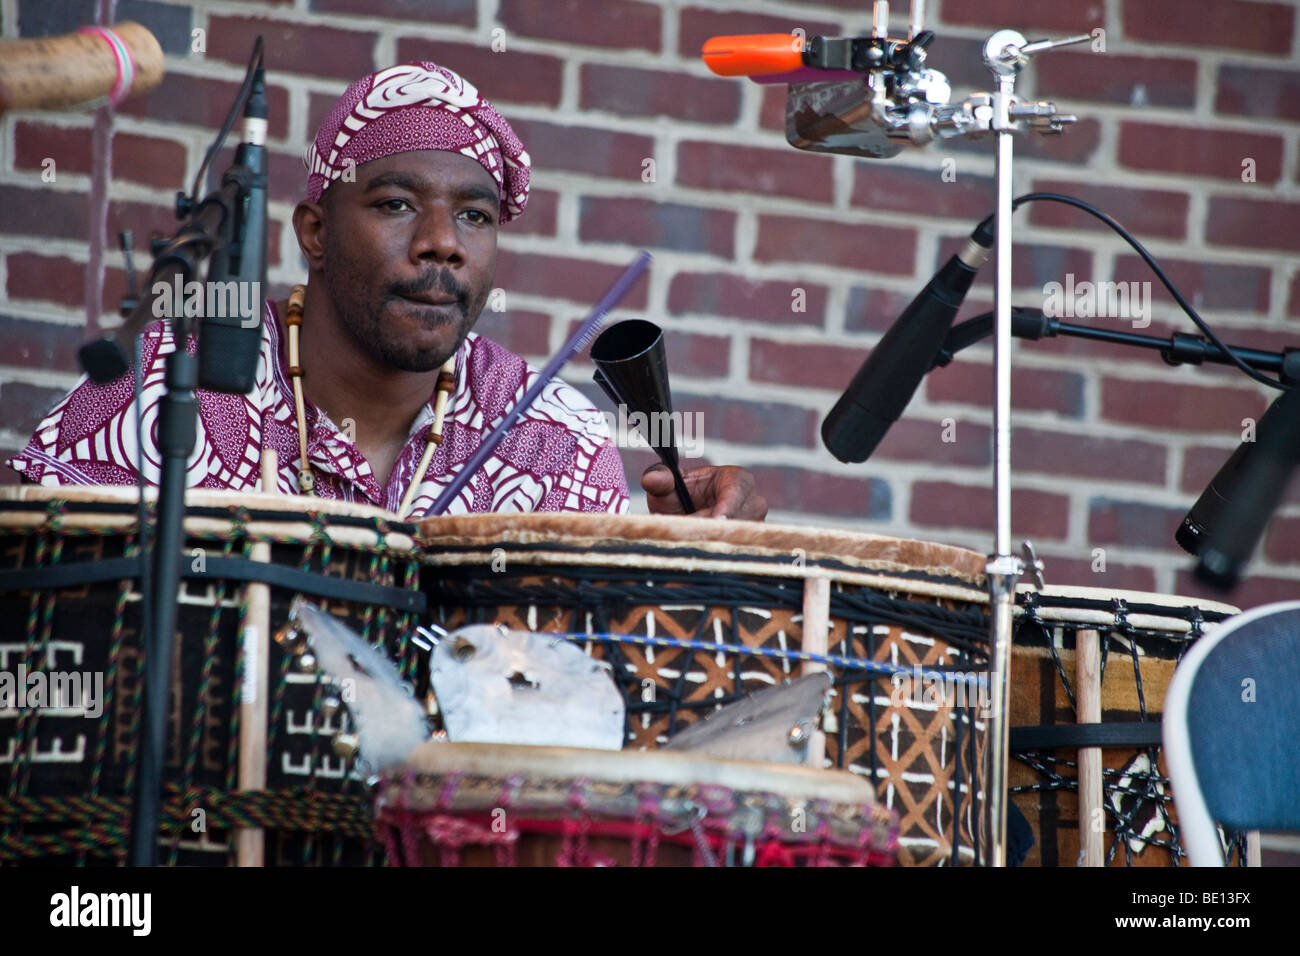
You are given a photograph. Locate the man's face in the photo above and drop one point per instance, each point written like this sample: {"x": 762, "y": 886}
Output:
{"x": 409, "y": 254}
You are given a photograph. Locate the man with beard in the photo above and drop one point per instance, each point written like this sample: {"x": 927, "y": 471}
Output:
{"x": 409, "y": 178}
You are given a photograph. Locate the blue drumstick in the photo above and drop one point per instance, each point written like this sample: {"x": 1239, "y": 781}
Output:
{"x": 576, "y": 341}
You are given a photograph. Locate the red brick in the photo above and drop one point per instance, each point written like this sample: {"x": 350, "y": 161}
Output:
{"x": 522, "y": 332}
{"x": 697, "y": 25}
{"x": 25, "y": 405}
{"x": 716, "y": 293}
{"x": 70, "y": 148}
{"x": 1222, "y": 25}
{"x": 1282, "y": 541}
{"x": 752, "y": 423}
{"x": 1132, "y": 524}
{"x": 1253, "y": 591}
{"x": 873, "y": 310}
{"x": 204, "y": 102}
{"x": 1066, "y": 19}
{"x": 1054, "y": 452}
{"x": 1201, "y": 463}
{"x": 149, "y": 160}
{"x": 623, "y": 24}
{"x": 60, "y": 280}
{"x": 1133, "y": 80}
{"x": 45, "y": 212}
{"x": 1198, "y": 152}
{"x": 625, "y": 91}
{"x": 943, "y": 504}
{"x": 1144, "y": 212}
{"x": 878, "y": 186}
{"x": 1258, "y": 91}
{"x": 1168, "y": 405}
{"x": 811, "y": 492}
{"x": 1080, "y": 573}
{"x": 1255, "y": 223}
{"x": 891, "y": 249}
{"x": 916, "y": 439}
{"x": 510, "y": 76}
{"x": 771, "y": 172}
{"x": 32, "y": 343}
{"x": 1207, "y": 285}
{"x": 771, "y": 111}
{"x": 441, "y": 12}
{"x": 584, "y": 149}
{"x": 294, "y": 48}
{"x": 688, "y": 353}
{"x": 539, "y": 215}
{"x": 573, "y": 280}
{"x": 1033, "y": 389}
{"x": 810, "y": 366}
{"x": 663, "y": 225}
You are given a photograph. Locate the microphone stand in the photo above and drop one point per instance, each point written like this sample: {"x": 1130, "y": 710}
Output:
{"x": 1006, "y": 53}
{"x": 1178, "y": 349}
{"x": 206, "y": 229}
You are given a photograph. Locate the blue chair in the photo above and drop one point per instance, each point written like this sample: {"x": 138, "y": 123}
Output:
{"x": 1232, "y": 731}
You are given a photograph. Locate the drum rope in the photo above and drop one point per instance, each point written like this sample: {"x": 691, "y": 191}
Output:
{"x": 839, "y": 661}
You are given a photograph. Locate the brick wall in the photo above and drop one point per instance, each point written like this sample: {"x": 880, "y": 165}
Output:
{"x": 1110, "y": 447}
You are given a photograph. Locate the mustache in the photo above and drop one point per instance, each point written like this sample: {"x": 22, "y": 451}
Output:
{"x": 439, "y": 281}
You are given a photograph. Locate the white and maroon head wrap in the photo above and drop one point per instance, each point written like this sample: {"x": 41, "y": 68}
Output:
{"x": 418, "y": 106}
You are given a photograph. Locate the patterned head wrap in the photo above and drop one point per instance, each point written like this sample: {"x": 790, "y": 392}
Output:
{"x": 418, "y": 106}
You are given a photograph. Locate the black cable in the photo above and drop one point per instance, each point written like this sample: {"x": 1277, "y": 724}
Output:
{"x": 985, "y": 234}
{"x": 254, "y": 64}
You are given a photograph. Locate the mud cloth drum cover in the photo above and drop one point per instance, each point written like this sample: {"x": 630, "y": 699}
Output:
{"x": 750, "y": 585}
{"x": 469, "y": 804}
{"x": 69, "y": 602}
{"x": 1139, "y": 638}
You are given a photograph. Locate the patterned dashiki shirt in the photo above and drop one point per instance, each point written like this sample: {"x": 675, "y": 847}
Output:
{"x": 557, "y": 457}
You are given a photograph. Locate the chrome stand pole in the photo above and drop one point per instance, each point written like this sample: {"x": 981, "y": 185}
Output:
{"x": 1003, "y": 570}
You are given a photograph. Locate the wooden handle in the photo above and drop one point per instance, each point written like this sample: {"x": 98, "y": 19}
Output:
{"x": 816, "y": 630}
{"x": 75, "y": 69}
{"x": 1087, "y": 662}
{"x": 250, "y": 842}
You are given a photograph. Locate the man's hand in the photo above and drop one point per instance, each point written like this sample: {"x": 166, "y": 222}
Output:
{"x": 718, "y": 492}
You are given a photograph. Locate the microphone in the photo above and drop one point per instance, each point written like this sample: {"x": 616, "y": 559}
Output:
{"x": 230, "y": 342}
{"x": 1226, "y": 522}
{"x": 892, "y": 372}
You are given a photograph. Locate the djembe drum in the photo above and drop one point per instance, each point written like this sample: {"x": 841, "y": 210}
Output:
{"x": 70, "y": 600}
{"x": 693, "y": 613}
{"x": 1089, "y": 672}
{"x": 493, "y": 804}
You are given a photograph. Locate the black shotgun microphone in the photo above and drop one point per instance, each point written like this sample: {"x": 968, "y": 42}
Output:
{"x": 1236, "y": 507}
{"x": 1204, "y": 517}
{"x": 893, "y": 371}
{"x": 230, "y": 335}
